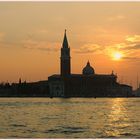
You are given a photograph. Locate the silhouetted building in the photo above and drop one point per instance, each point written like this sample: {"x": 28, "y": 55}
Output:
{"x": 137, "y": 92}
{"x": 65, "y": 84}
{"x": 87, "y": 84}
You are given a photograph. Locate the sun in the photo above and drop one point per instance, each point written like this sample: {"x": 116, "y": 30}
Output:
{"x": 117, "y": 55}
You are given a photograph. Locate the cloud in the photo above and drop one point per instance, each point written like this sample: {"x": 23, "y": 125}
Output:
{"x": 117, "y": 17}
{"x": 129, "y": 48}
{"x": 130, "y": 43}
{"x": 2, "y": 35}
{"x": 89, "y": 48}
{"x": 44, "y": 31}
{"x": 40, "y": 45}
{"x": 131, "y": 58}
{"x": 133, "y": 39}
{"x": 126, "y": 47}
{"x": 4, "y": 43}
{"x": 132, "y": 47}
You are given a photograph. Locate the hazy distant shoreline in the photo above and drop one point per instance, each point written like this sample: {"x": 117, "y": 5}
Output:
{"x": 61, "y": 97}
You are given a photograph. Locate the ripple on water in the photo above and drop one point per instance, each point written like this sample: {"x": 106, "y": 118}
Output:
{"x": 73, "y": 118}
{"x": 50, "y": 117}
{"x": 67, "y": 130}
{"x": 129, "y": 135}
{"x": 18, "y": 125}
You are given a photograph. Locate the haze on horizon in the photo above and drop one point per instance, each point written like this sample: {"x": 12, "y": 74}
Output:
{"x": 105, "y": 33}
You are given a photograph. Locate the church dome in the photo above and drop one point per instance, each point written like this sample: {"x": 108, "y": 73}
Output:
{"x": 88, "y": 70}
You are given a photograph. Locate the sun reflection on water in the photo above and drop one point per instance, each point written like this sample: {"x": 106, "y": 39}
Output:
{"x": 118, "y": 118}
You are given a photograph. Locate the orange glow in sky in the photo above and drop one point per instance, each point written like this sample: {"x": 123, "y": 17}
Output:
{"x": 105, "y": 33}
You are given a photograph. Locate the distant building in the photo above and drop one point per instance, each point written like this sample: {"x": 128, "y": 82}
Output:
{"x": 137, "y": 92}
{"x": 87, "y": 84}
{"x": 66, "y": 84}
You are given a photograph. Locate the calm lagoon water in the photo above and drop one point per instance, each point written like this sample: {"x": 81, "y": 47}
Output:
{"x": 70, "y": 118}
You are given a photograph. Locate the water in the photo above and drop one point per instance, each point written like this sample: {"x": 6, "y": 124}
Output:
{"x": 70, "y": 118}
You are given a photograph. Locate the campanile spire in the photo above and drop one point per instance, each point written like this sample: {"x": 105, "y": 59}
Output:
{"x": 65, "y": 41}
{"x": 65, "y": 57}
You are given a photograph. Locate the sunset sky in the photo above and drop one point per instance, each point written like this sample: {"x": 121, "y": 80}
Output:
{"x": 105, "y": 33}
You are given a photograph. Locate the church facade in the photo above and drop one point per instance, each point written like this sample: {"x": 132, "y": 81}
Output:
{"x": 87, "y": 84}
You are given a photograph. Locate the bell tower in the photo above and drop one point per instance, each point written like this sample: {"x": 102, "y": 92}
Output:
{"x": 65, "y": 57}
